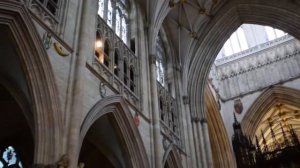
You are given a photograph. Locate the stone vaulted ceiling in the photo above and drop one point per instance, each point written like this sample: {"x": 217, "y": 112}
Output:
{"x": 184, "y": 22}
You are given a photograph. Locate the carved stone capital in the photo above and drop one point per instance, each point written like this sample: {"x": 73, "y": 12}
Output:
{"x": 152, "y": 59}
{"x": 186, "y": 100}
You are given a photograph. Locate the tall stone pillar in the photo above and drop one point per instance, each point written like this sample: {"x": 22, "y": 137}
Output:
{"x": 189, "y": 132}
{"x": 207, "y": 145}
{"x": 199, "y": 143}
{"x": 85, "y": 48}
{"x": 155, "y": 113}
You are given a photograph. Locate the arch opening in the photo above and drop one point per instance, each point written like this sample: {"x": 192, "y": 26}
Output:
{"x": 103, "y": 146}
{"x": 110, "y": 129}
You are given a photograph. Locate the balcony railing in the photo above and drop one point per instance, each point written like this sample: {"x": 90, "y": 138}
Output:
{"x": 169, "y": 116}
{"x": 112, "y": 74}
{"x": 255, "y": 49}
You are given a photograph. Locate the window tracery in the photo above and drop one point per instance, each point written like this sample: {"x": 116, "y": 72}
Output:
{"x": 109, "y": 14}
{"x": 160, "y": 62}
{"x": 114, "y": 61}
{"x": 51, "y": 5}
{"x": 115, "y": 14}
{"x": 101, "y": 8}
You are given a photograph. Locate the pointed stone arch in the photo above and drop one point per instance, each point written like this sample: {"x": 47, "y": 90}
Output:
{"x": 269, "y": 98}
{"x": 278, "y": 14}
{"x": 117, "y": 107}
{"x": 39, "y": 76}
{"x": 172, "y": 157}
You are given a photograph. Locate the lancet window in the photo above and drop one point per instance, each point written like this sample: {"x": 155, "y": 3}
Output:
{"x": 160, "y": 61}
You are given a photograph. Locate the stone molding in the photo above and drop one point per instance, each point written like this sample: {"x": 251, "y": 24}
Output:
{"x": 265, "y": 101}
{"x": 40, "y": 80}
{"x": 117, "y": 106}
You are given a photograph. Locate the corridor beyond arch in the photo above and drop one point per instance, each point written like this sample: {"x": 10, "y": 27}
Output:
{"x": 268, "y": 99}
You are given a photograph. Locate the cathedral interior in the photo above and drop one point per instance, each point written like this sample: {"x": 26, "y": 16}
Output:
{"x": 150, "y": 83}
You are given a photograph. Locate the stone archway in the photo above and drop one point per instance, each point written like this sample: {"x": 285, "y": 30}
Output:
{"x": 172, "y": 158}
{"x": 223, "y": 155}
{"x": 15, "y": 19}
{"x": 269, "y": 98}
{"x": 278, "y": 14}
{"x": 131, "y": 141}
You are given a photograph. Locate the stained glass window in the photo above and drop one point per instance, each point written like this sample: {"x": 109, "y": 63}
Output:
{"x": 124, "y": 30}
{"x": 118, "y": 23}
{"x": 109, "y": 13}
{"x": 160, "y": 61}
{"x": 101, "y": 8}
{"x": 115, "y": 13}
{"x": 10, "y": 158}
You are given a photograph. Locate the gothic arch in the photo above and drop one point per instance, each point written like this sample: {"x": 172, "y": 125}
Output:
{"x": 278, "y": 14}
{"x": 269, "y": 98}
{"x": 172, "y": 157}
{"x": 223, "y": 155}
{"x": 117, "y": 107}
{"x": 39, "y": 77}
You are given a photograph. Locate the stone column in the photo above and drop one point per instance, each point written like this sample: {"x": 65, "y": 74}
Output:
{"x": 190, "y": 148}
{"x": 196, "y": 147}
{"x": 84, "y": 49}
{"x": 208, "y": 152}
{"x": 155, "y": 113}
{"x": 202, "y": 144}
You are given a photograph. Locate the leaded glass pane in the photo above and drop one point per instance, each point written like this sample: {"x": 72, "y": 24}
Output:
{"x": 118, "y": 23}
{"x": 124, "y": 30}
{"x": 109, "y": 13}
{"x": 101, "y": 8}
{"x": 160, "y": 61}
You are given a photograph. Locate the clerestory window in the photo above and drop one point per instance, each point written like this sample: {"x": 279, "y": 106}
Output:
{"x": 160, "y": 61}
{"x": 273, "y": 33}
{"x": 115, "y": 14}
